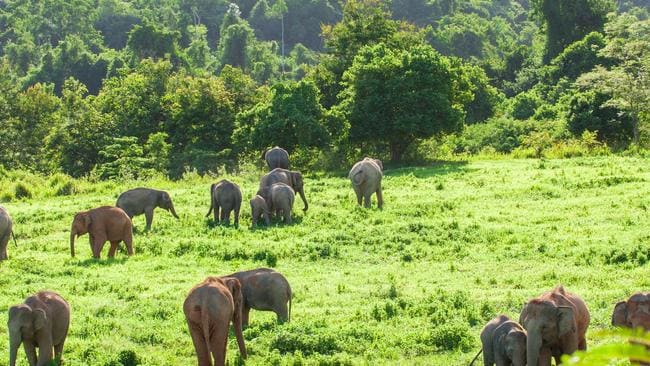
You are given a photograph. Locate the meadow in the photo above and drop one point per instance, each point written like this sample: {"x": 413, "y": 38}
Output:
{"x": 456, "y": 244}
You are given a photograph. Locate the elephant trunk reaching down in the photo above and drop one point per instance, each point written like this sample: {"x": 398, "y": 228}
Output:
{"x": 173, "y": 212}
{"x": 301, "y": 191}
{"x": 14, "y": 344}
{"x": 73, "y": 233}
{"x": 533, "y": 345}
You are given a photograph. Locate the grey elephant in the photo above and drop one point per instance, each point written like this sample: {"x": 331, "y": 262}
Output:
{"x": 6, "y": 231}
{"x": 291, "y": 178}
{"x": 556, "y": 323}
{"x": 276, "y": 157}
{"x": 503, "y": 342}
{"x": 140, "y": 201}
{"x": 259, "y": 208}
{"x": 366, "y": 179}
{"x": 634, "y": 312}
{"x": 41, "y": 321}
{"x": 225, "y": 197}
{"x": 280, "y": 200}
{"x": 265, "y": 289}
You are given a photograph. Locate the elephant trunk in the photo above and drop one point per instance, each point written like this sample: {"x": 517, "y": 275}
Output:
{"x": 237, "y": 322}
{"x": 14, "y": 343}
{"x": 173, "y": 212}
{"x": 533, "y": 346}
{"x": 304, "y": 199}
{"x": 73, "y": 232}
{"x": 267, "y": 220}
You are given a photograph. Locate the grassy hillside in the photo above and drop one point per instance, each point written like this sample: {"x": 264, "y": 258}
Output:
{"x": 455, "y": 245}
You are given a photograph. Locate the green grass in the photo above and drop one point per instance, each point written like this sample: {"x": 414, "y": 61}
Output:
{"x": 455, "y": 245}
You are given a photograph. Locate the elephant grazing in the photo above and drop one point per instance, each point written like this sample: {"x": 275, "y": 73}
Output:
{"x": 276, "y": 157}
{"x": 259, "y": 208}
{"x": 6, "y": 232}
{"x": 633, "y": 313}
{"x": 556, "y": 323}
{"x": 41, "y": 321}
{"x": 278, "y": 175}
{"x": 103, "y": 224}
{"x": 504, "y": 342}
{"x": 265, "y": 289}
{"x": 225, "y": 196}
{"x": 140, "y": 201}
{"x": 366, "y": 179}
{"x": 209, "y": 308}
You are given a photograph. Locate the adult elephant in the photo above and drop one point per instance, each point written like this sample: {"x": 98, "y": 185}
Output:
{"x": 556, "y": 323}
{"x": 276, "y": 157}
{"x": 103, "y": 224}
{"x": 281, "y": 198}
{"x": 633, "y": 313}
{"x": 209, "y": 308}
{"x": 140, "y": 201}
{"x": 264, "y": 289}
{"x": 366, "y": 176}
{"x": 41, "y": 321}
{"x": 225, "y": 196}
{"x": 278, "y": 175}
{"x": 6, "y": 232}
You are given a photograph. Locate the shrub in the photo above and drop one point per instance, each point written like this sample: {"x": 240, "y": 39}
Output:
{"x": 524, "y": 104}
{"x": 452, "y": 336}
{"x": 21, "y": 190}
{"x": 307, "y": 341}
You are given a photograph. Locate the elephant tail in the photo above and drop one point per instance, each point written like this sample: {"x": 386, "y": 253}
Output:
{"x": 475, "y": 357}
{"x": 205, "y": 325}
{"x": 14, "y": 236}
{"x": 289, "y": 315}
{"x": 357, "y": 178}
{"x": 211, "y": 200}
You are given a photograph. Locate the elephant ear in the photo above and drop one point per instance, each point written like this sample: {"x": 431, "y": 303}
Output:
{"x": 619, "y": 316}
{"x": 87, "y": 221}
{"x": 296, "y": 180}
{"x": 234, "y": 286}
{"x": 39, "y": 318}
{"x": 523, "y": 314}
{"x": 566, "y": 323}
{"x": 378, "y": 162}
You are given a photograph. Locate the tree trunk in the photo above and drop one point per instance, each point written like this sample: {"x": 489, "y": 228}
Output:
{"x": 396, "y": 150}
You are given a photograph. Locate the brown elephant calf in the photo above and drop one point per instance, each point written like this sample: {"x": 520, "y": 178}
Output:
{"x": 264, "y": 289}
{"x": 103, "y": 224}
{"x": 209, "y": 308}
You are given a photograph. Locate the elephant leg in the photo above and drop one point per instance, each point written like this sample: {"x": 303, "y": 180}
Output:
{"x": 366, "y": 199}
{"x": 111, "y": 252}
{"x": 287, "y": 215}
{"x": 30, "y": 351}
{"x": 582, "y": 344}
{"x": 218, "y": 344}
{"x": 202, "y": 352}
{"x": 357, "y": 191}
{"x": 244, "y": 315}
{"x": 282, "y": 311}
{"x": 278, "y": 213}
{"x": 225, "y": 216}
{"x": 545, "y": 357}
{"x": 3, "y": 247}
{"x": 44, "y": 355}
{"x": 98, "y": 245}
{"x": 236, "y": 217}
{"x": 58, "y": 352}
{"x": 148, "y": 215}
{"x": 217, "y": 208}
{"x": 380, "y": 197}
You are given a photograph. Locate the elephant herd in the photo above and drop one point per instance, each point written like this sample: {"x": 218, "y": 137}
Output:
{"x": 43, "y": 319}
{"x": 551, "y": 325}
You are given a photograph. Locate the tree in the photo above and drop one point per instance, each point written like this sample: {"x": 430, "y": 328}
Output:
{"x": 567, "y": 21}
{"x": 589, "y": 111}
{"x": 151, "y": 41}
{"x": 395, "y": 96}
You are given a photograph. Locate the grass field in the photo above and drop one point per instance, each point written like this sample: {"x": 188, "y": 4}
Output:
{"x": 456, "y": 244}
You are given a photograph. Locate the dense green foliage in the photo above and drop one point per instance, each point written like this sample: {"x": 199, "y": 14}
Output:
{"x": 86, "y": 87}
{"x": 455, "y": 245}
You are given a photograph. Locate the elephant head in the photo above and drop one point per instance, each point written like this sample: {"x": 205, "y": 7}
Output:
{"x": 547, "y": 323}
{"x": 80, "y": 226}
{"x": 514, "y": 345}
{"x": 378, "y": 162}
{"x": 297, "y": 184}
{"x": 234, "y": 286}
{"x": 165, "y": 202}
{"x": 633, "y": 313}
{"x": 259, "y": 208}
{"x": 24, "y": 323}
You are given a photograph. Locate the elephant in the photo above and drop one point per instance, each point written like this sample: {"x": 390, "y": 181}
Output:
{"x": 209, "y": 308}
{"x": 102, "y": 224}
{"x": 633, "y": 313}
{"x": 291, "y": 178}
{"x": 556, "y": 323}
{"x": 41, "y": 321}
{"x": 6, "y": 231}
{"x": 259, "y": 208}
{"x": 366, "y": 179}
{"x": 280, "y": 200}
{"x": 225, "y": 196}
{"x": 276, "y": 157}
{"x": 504, "y": 342}
{"x": 264, "y": 289}
{"x": 140, "y": 201}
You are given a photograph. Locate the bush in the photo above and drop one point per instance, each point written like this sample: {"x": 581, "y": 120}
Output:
{"x": 588, "y": 111}
{"x": 524, "y": 104}
{"x": 452, "y": 336}
{"x": 308, "y": 341}
{"x": 21, "y": 190}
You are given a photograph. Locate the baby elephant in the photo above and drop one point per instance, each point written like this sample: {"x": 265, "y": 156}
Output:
{"x": 366, "y": 179}
{"x": 103, "y": 224}
{"x": 504, "y": 342}
{"x": 225, "y": 196}
{"x": 280, "y": 199}
{"x": 259, "y": 209}
{"x": 633, "y": 313}
{"x": 41, "y": 321}
{"x": 264, "y": 289}
{"x": 140, "y": 201}
{"x": 5, "y": 232}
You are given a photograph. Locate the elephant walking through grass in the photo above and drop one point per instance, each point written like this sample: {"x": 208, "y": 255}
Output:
{"x": 6, "y": 232}
{"x": 140, "y": 201}
{"x": 366, "y": 179}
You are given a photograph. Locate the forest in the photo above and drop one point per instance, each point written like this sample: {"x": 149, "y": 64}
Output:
{"x": 111, "y": 88}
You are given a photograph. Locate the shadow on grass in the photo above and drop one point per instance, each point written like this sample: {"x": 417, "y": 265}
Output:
{"x": 431, "y": 169}
{"x": 102, "y": 262}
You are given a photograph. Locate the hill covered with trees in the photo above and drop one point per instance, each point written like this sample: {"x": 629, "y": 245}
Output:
{"x": 128, "y": 88}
